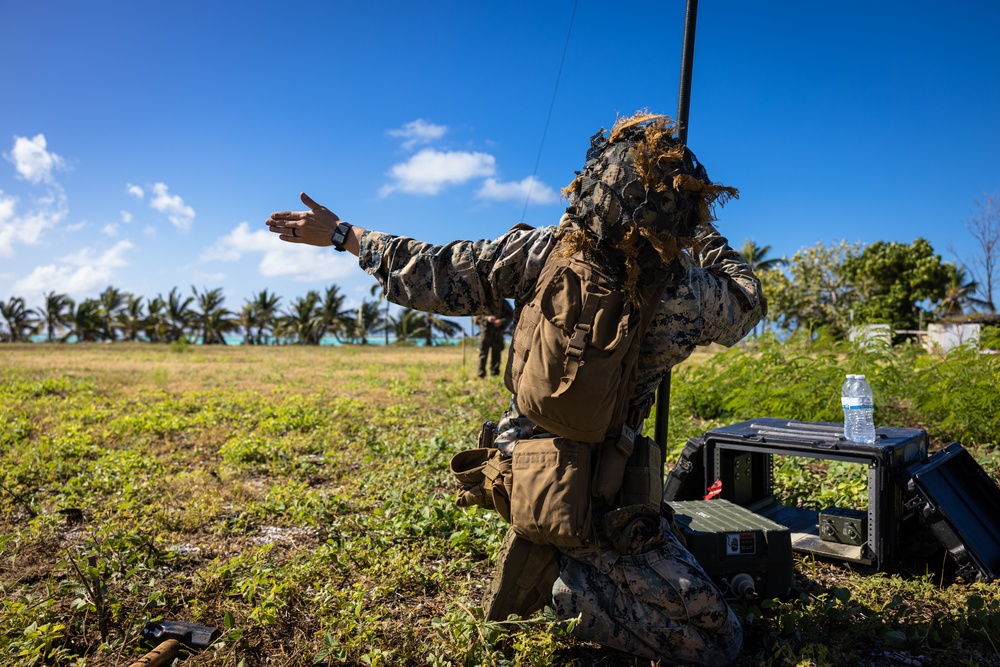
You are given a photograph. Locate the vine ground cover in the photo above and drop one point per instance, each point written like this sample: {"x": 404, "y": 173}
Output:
{"x": 298, "y": 498}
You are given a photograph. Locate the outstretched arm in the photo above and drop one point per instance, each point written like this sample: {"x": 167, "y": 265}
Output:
{"x": 458, "y": 278}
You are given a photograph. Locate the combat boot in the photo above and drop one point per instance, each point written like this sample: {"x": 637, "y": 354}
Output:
{"x": 523, "y": 580}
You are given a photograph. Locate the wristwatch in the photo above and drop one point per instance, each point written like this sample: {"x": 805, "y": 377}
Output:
{"x": 340, "y": 236}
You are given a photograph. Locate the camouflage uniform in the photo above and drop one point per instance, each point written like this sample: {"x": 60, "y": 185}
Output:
{"x": 719, "y": 300}
{"x": 658, "y": 604}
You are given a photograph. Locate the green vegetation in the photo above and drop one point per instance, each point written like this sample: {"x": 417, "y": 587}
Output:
{"x": 298, "y": 499}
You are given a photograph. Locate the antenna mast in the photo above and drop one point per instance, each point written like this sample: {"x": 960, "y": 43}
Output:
{"x": 683, "y": 107}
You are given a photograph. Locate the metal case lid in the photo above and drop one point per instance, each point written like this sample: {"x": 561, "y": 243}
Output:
{"x": 961, "y": 504}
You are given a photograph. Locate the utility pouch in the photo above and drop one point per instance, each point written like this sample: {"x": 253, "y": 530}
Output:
{"x": 551, "y": 493}
{"x": 642, "y": 482}
{"x": 498, "y": 483}
{"x": 615, "y": 453}
{"x": 484, "y": 475}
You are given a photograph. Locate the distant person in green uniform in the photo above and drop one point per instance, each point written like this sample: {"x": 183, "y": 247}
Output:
{"x": 492, "y": 329}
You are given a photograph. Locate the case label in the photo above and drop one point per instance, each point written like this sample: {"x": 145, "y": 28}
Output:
{"x": 741, "y": 544}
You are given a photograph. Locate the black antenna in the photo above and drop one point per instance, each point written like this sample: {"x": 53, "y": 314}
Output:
{"x": 687, "y": 67}
{"x": 548, "y": 118}
{"x": 683, "y": 107}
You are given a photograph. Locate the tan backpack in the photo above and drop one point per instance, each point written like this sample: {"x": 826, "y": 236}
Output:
{"x": 573, "y": 360}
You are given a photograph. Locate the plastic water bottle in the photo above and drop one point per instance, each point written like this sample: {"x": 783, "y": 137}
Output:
{"x": 845, "y": 390}
{"x": 846, "y": 400}
{"x": 859, "y": 406}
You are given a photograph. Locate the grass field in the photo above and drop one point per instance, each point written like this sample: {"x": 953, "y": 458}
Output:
{"x": 299, "y": 499}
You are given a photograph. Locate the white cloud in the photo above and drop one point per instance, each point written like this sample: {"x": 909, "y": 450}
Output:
{"x": 207, "y": 277}
{"x": 135, "y": 191}
{"x": 33, "y": 162}
{"x": 76, "y": 274}
{"x": 239, "y": 242}
{"x": 303, "y": 263}
{"x": 111, "y": 258}
{"x": 179, "y": 214}
{"x": 126, "y": 217}
{"x": 538, "y": 192}
{"x": 27, "y": 228}
{"x": 418, "y": 132}
{"x": 429, "y": 171}
{"x": 110, "y": 229}
{"x": 298, "y": 262}
{"x": 7, "y": 205}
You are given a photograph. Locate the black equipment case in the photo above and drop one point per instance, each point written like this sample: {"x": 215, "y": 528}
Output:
{"x": 747, "y": 556}
{"x": 740, "y": 456}
{"x": 960, "y": 504}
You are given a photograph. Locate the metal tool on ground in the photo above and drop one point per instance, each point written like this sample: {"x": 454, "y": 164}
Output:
{"x": 172, "y": 636}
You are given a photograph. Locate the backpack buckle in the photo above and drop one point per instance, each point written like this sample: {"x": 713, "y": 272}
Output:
{"x": 578, "y": 341}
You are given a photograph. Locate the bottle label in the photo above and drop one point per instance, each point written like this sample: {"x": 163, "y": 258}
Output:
{"x": 855, "y": 403}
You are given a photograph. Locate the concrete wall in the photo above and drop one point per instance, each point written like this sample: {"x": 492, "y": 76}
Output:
{"x": 943, "y": 337}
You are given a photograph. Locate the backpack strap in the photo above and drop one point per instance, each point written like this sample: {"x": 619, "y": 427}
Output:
{"x": 578, "y": 341}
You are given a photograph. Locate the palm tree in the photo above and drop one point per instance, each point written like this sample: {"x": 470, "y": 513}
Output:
{"x": 958, "y": 293}
{"x": 131, "y": 318}
{"x": 303, "y": 321}
{"x": 213, "y": 319}
{"x": 332, "y": 316}
{"x": 439, "y": 324}
{"x": 87, "y": 323}
{"x": 179, "y": 315}
{"x": 20, "y": 319}
{"x": 56, "y": 315}
{"x": 112, "y": 300}
{"x": 756, "y": 256}
{"x": 155, "y": 325}
{"x": 264, "y": 316}
{"x": 247, "y": 317}
{"x": 365, "y": 321}
{"x": 411, "y": 325}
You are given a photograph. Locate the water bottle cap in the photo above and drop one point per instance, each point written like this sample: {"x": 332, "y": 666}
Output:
{"x": 860, "y": 377}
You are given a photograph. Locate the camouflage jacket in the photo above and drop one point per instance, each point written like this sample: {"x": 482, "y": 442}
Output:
{"x": 719, "y": 299}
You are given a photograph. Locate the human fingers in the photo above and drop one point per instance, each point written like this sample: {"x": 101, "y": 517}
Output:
{"x": 291, "y": 235}
{"x": 280, "y": 218}
{"x": 308, "y": 201}
{"x": 321, "y": 214}
{"x": 286, "y": 230}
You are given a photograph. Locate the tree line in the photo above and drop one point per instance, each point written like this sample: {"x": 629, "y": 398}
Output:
{"x": 819, "y": 289}
{"x": 831, "y": 288}
{"x": 117, "y": 315}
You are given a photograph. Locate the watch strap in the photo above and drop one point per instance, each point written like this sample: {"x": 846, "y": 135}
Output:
{"x": 339, "y": 236}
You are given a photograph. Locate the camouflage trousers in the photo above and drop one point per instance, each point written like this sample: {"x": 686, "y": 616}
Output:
{"x": 659, "y": 604}
{"x": 491, "y": 344}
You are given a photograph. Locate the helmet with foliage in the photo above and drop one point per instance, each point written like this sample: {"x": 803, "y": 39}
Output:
{"x": 641, "y": 195}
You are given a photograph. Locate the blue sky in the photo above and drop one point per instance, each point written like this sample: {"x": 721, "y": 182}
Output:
{"x": 144, "y": 143}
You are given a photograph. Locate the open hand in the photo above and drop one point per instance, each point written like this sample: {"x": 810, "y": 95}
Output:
{"x": 313, "y": 227}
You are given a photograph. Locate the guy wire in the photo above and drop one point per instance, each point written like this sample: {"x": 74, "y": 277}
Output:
{"x": 548, "y": 118}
